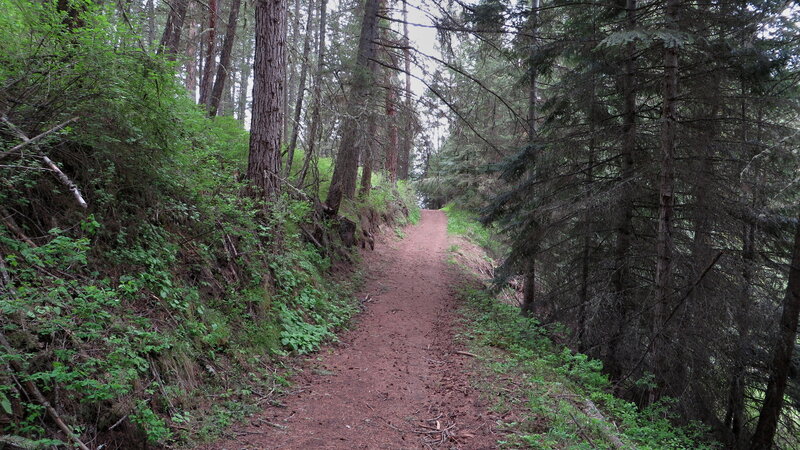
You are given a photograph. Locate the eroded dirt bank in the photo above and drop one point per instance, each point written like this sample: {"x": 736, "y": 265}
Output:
{"x": 396, "y": 379}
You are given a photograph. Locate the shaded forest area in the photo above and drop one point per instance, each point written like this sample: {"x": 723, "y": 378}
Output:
{"x": 641, "y": 159}
{"x": 159, "y": 261}
{"x": 183, "y": 184}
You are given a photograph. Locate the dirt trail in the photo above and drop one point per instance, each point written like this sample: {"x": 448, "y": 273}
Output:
{"x": 396, "y": 376}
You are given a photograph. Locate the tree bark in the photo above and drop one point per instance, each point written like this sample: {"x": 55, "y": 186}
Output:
{"x": 408, "y": 123}
{"x": 368, "y": 157}
{"x": 151, "y": 23}
{"x": 192, "y": 56}
{"x": 268, "y": 85}
{"x": 621, "y": 274}
{"x": 207, "y": 78}
{"x": 317, "y": 94}
{"x": 529, "y": 291}
{"x": 224, "y": 59}
{"x": 782, "y": 356}
{"x": 343, "y": 182}
{"x": 298, "y": 107}
{"x": 666, "y": 201}
{"x": 172, "y": 31}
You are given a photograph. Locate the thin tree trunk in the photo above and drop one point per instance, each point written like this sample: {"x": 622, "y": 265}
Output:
{"x": 313, "y": 129}
{"x": 151, "y": 23}
{"x": 343, "y": 182}
{"x": 529, "y": 291}
{"x": 264, "y": 160}
{"x": 782, "y": 356}
{"x": 192, "y": 56}
{"x": 734, "y": 418}
{"x": 666, "y": 201}
{"x": 391, "y": 113}
{"x": 298, "y": 107}
{"x": 207, "y": 79}
{"x": 408, "y": 123}
{"x": 224, "y": 59}
{"x": 621, "y": 274}
{"x": 368, "y": 157}
{"x": 244, "y": 86}
{"x": 172, "y": 31}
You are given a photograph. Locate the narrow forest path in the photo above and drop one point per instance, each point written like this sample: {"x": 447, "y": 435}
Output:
{"x": 395, "y": 377}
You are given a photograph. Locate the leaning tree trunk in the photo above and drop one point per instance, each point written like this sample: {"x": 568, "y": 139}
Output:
{"x": 207, "y": 77}
{"x": 172, "y": 31}
{"x": 263, "y": 165}
{"x": 298, "y": 107}
{"x": 317, "y": 94}
{"x": 343, "y": 182}
{"x": 666, "y": 203}
{"x": 782, "y": 356}
{"x": 224, "y": 59}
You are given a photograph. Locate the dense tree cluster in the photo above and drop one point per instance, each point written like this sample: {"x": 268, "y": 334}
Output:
{"x": 646, "y": 158}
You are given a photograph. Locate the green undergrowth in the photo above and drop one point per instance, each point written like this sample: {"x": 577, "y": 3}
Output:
{"x": 556, "y": 398}
{"x": 464, "y": 223}
{"x": 551, "y": 396}
{"x": 172, "y": 306}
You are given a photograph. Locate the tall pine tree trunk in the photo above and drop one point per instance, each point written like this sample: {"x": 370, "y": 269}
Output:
{"x": 264, "y": 160}
{"x": 298, "y": 107}
{"x": 529, "y": 291}
{"x": 343, "y": 182}
{"x": 666, "y": 203}
{"x": 408, "y": 123}
{"x": 313, "y": 129}
{"x": 620, "y": 277}
{"x": 191, "y": 55}
{"x": 207, "y": 78}
{"x": 224, "y": 59}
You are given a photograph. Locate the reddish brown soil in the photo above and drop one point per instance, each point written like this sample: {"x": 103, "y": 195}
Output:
{"x": 395, "y": 380}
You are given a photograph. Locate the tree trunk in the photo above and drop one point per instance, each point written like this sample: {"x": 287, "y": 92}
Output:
{"x": 391, "y": 113}
{"x": 666, "y": 201}
{"x": 529, "y": 291}
{"x": 192, "y": 56}
{"x": 244, "y": 81}
{"x": 264, "y": 160}
{"x": 782, "y": 356}
{"x": 408, "y": 123}
{"x": 151, "y": 23}
{"x": 207, "y": 79}
{"x": 224, "y": 59}
{"x": 172, "y": 31}
{"x": 621, "y": 274}
{"x": 343, "y": 182}
{"x": 317, "y": 94}
{"x": 368, "y": 158}
{"x": 298, "y": 107}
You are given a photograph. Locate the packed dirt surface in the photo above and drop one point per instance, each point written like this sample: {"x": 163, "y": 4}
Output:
{"x": 396, "y": 380}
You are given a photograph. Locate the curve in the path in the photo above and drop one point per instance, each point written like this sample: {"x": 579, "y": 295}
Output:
{"x": 394, "y": 381}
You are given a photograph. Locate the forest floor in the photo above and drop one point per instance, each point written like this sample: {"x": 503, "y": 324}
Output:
{"x": 396, "y": 379}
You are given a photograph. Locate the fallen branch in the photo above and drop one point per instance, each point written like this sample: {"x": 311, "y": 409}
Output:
{"x": 32, "y": 140}
{"x": 466, "y": 354}
{"x": 65, "y": 180}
